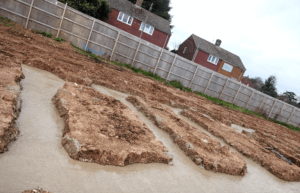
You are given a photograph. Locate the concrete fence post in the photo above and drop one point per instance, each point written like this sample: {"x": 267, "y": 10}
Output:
{"x": 271, "y": 109}
{"x": 262, "y": 102}
{"x": 249, "y": 99}
{"x": 190, "y": 85}
{"x": 224, "y": 88}
{"x": 212, "y": 74}
{"x": 291, "y": 115}
{"x": 87, "y": 42}
{"x": 171, "y": 67}
{"x": 116, "y": 42}
{"x": 161, "y": 53}
{"x": 31, "y": 5}
{"x": 237, "y": 92}
{"x": 281, "y": 109}
{"x": 137, "y": 50}
{"x": 61, "y": 20}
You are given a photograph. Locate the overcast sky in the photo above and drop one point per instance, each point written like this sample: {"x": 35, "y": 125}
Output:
{"x": 265, "y": 34}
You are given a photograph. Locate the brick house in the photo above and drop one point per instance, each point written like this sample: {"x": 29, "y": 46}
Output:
{"x": 212, "y": 56}
{"x": 131, "y": 17}
{"x": 246, "y": 81}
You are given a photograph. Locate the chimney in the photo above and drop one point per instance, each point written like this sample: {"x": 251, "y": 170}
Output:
{"x": 218, "y": 43}
{"x": 139, "y": 3}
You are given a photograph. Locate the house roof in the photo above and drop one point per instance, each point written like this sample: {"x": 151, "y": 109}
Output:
{"x": 219, "y": 52}
{"x": 141, "y": 14}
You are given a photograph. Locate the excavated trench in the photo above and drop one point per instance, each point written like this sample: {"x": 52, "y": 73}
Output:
{"x": 37, "y": 158}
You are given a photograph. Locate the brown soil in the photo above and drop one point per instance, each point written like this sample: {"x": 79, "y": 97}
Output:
{"x": 10, "y": 103}
{"x": 201, "y": 148}
{"x": 101, "y": 129}
{"x": 64, "y": 61}
{"x": 251, "y": 145}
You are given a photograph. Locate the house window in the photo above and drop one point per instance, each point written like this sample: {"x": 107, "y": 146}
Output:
{"x": 213, "y": 59}
{"x": 125, "y": 18}
{"x": 227, "y": 67}
{"x": 148, "y": 28}
{"x": 184, "y": 50}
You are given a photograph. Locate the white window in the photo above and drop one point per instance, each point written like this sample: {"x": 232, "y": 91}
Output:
{"x": 227, "y": 67}
{"x": 125, "y": 18}
{"x": 148, "y": 28}
{"x": 184, "y": 50}
{"x": 213, "y": 59}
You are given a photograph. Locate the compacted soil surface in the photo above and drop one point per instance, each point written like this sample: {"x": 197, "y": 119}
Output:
{"x": 10, "y": 103}
{"x": 25, "y": 47}
{"x": 201, "y": 148}
{"x": 101, "y": 129}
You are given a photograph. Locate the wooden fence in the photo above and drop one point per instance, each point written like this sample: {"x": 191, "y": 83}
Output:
{"x": 105, "y": 40}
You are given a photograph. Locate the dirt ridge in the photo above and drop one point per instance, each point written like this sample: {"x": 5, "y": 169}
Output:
{"x": 101, "y": 129}
{"x": 202, "y": 149}
{"x": 248, "y": 145}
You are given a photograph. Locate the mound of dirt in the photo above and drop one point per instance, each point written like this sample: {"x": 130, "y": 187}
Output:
{"x": 101, "y": 129}
{"x": 10, "y": 102}
{"x": 251, "y": 145}
{"x": 201, "y": 148}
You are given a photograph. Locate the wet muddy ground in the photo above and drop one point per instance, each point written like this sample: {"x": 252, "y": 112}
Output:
{"x": 37, "y": 158}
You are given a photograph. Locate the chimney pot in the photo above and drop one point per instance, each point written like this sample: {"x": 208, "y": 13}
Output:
{"x": 139, "y": 3}
{"x": 218, "y": 42}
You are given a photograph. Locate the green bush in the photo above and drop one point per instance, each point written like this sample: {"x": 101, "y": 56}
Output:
{"x": 98, "y": 9}
{"x": 59, "y": 39}
{"x": 6, "y": 22}
{"x": 48, "y": 35}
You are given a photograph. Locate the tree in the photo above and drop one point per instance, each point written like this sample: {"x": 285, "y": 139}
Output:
{"x": 269, "y": 87}
{"x": 160, "y": 8}
{"x": 257, "y": 83}
{"x": 98, "y": 9}
{"x": 291, "y": 96}
{"x": 175, "y": 47}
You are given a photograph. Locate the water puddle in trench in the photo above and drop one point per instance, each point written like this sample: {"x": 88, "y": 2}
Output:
{"x": 38, "y": 159}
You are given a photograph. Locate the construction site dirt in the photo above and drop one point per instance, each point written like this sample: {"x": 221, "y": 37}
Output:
{"x": 101, "y": 129}
{"x": 37, "y": 158}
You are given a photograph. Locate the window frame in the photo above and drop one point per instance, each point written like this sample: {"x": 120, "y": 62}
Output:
{"x": 142, "y": 26}
{"x": 227, "y": 65}
{"x": 129, "y": 17}
{"x": 184, "y": 50}
{"x": 211, "y": 61}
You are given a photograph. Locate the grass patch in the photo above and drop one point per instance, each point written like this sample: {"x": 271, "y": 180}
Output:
{"x": 59, "y": 40}
{"x": 48, "y": 35}
{"x": 177, "y": 84}
{"x": 6, "y": 22}
{"x": 82, "y": 51}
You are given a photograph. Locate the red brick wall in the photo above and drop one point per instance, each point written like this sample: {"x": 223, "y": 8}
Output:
{"x": 201, "y": 59}
{"x": 157, "y": 38}
{"x": 246, "y": 80}
{"x": 190, "y": 46}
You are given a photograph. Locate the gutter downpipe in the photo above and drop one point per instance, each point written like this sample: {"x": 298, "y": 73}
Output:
{"x": 196, "y": 52}
{"x": 166, "y": 41}
{"x": 241, "y": 74}
{"x": 146, "y": 20}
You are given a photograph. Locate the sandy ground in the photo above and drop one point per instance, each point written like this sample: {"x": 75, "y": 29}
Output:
{"x": 37, "y": 158}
